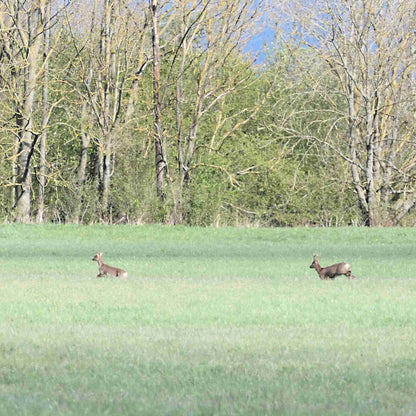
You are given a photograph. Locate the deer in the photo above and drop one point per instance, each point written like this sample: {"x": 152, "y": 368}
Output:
{"x": 105, "y": 270}
{"x": 331, "y": 272}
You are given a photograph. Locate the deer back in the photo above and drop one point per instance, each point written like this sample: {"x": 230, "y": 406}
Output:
{"x": 336, "y": 270}
{"x": 113, "y": 271}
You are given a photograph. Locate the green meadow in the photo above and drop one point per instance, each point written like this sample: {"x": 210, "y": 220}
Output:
{"x": 210, "y": 322}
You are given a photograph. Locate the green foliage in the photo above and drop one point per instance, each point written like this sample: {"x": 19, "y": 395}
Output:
{"x": 259, "y": 157}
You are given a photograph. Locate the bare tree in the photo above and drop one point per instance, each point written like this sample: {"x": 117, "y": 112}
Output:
{"x": 42, "y": 176}
{"x": 203, "y": 44}
{"x": 160, "y": 158}
{"x": 369, "y": 49}
{"x": 21, "y": 30}
{"x": 109, "y": 52}
{"x": 25, "y": 27}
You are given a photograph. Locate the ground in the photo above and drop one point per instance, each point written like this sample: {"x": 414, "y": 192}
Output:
{"x": 210, "y": 321}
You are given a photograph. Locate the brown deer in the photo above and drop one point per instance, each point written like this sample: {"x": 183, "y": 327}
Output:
{"x": 331, "y": 272}
{"x": 105, "y": 270}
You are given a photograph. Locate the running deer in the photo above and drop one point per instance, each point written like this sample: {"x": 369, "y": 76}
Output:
{"x": 331, "y": 272}
{"x": 105, "y": 270}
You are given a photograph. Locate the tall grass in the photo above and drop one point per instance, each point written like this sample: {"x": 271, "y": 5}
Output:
{"x": 210, "y": 321}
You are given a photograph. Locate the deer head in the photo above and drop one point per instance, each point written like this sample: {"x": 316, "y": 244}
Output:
{"x": 315, "y": 263}
{"x": 97, "y": 257}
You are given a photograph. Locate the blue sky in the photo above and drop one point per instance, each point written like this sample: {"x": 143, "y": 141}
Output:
{"x": 260, "y": 43}
{"x": 264, "y": 40}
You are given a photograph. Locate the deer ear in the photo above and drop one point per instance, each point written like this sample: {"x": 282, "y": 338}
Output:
{"x": 101, "y": 254}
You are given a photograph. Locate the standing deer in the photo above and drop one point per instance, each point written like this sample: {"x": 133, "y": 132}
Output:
{"x": 331, "y": 272}
{"x": 105, "y": 270}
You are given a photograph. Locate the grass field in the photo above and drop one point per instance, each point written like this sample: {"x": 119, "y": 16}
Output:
{"x": 209, "y": 322}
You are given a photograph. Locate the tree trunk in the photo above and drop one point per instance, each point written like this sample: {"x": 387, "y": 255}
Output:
{"x": 160, "y": 161}
{"x": 27, "y": 137}
{"x": 83, "y": 163}
{"x": 107, "y": 167}
{"x": 45, "y": 12}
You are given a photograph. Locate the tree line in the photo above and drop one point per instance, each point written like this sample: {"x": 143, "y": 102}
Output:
{"x": 153, "y": 111}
